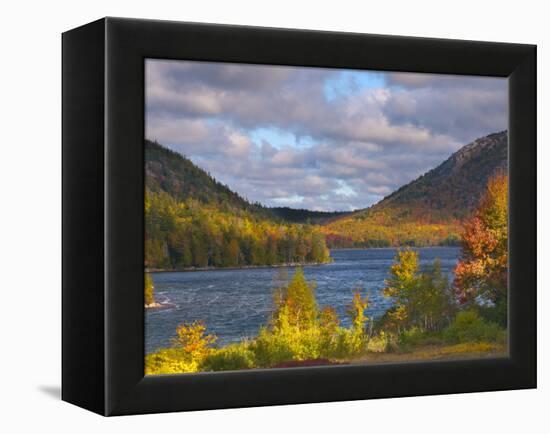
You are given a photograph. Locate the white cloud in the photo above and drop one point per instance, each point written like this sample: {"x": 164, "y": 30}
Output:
{"x": 358, "y": 147}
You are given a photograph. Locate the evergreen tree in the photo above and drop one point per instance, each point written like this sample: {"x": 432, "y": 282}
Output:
{"x": 421, "y": 299}
{"x": 297, "y": 302}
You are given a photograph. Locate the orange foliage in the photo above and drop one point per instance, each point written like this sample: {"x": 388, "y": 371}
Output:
{"x": 193, "y": 340}
{"x": 373, "y": 231}
{"x": 483, "y": 268}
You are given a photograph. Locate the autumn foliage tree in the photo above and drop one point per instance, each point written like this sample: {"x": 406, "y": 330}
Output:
{"x": 296, "y": 302}
{"x": 182, "y": 234}
{"x": 422, "y": 298}
{"x": 482, "y": 272}
{"x": 357, "y": 311}
{"x": 400, "y": 285}
{"x": 193, "y": 340}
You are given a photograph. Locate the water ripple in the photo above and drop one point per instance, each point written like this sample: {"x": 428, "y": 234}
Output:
{"x": 235, "y": 303}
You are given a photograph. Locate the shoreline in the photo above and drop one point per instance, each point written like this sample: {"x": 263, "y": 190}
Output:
{"x": 395, "y": 247}
{"x": 159, "y": 306}
{"x": 283, "y": 265}
{"x": 242, "y": 267}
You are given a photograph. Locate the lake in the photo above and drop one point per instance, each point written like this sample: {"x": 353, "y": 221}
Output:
{"x": 235, "y": 303}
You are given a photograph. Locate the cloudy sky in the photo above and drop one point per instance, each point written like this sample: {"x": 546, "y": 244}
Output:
{"x": 322, "y": 139}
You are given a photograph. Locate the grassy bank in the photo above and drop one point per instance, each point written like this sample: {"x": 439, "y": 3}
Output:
{"x": 475, "y": 350}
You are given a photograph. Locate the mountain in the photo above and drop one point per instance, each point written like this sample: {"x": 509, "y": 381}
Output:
{"x": 426, "y": 211}
{"x": 436, "y": 201}
{"x": 172, "y": 173}
{"x": 193, "y": 221}
{"x": 453, "y": 188}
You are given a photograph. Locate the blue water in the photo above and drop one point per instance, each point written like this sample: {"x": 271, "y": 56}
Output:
{"x": 235, "y": 303}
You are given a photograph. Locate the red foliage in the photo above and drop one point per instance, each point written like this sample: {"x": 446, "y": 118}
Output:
{"x": 483, "y": 268}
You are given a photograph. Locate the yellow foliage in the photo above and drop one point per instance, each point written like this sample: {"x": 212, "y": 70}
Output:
{"x": 192, "y": 339}
{"x": 471, "y": 347}
{"x": 298, "y": 332}
{"x": 482, "y": 271}
{"x": 382, "y": 231}
{"x": 149, "y": 294}
{"x": 380, "y": 342}
{"x": 169, "y": 361}
{"x": 357, "y": 311}
{"x": 230, "y": 358}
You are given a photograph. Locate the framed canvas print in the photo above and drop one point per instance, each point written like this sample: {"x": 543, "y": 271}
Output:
{"x": 258, "y": 216}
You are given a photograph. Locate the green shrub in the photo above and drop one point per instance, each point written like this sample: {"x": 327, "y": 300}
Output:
{"x": 415, "y": 337}
{"x": 350, "y": 343}
{"x": 289, "y": 343}
{"x": 495, "y": 313}
{"x": 411, "y": 337}
{"x": 469, "y": 326}
{"x": 189, "y": 348}
{"x": 169, "y": 361}
{"x": 270, "y": 349}
{"x": 380, "y": 343}
{"x": 229, "y": 358}
{"x": 300, "y": 331}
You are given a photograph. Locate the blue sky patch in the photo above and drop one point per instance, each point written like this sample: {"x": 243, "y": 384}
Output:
{"x": 280, "y": 139}
{"x": 348, "y": 83}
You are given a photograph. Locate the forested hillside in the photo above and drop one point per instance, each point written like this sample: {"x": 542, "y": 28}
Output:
{"x": 178, "y": 176}
{"x": 428, "y": 210}
{"x": 452, "y": 189}
{"x": 172, "y": 173}
{"x": 191, "y": 220}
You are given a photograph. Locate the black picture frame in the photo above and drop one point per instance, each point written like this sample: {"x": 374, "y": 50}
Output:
{"x": 103, "y": 227}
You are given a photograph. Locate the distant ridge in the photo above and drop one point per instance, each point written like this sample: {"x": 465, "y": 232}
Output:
{"x": 305, "y": 215}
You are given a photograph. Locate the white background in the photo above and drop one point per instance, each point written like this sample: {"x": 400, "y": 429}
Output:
{"x": 30, "y": 213}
